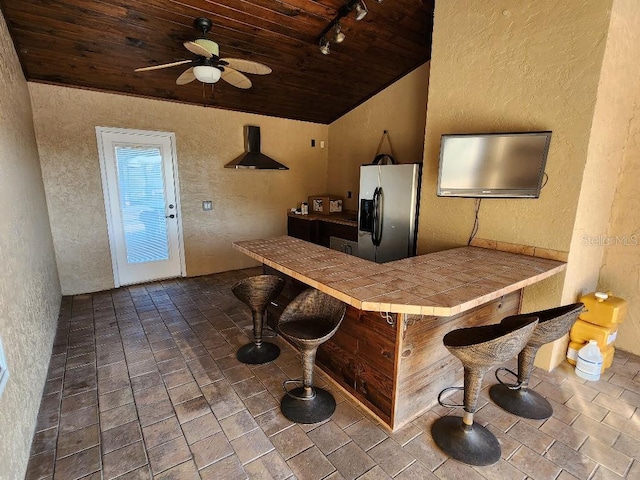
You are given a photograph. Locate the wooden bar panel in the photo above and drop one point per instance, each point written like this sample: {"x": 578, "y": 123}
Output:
{"x": 426, "y": 366}
{"x": 361, "y": 358}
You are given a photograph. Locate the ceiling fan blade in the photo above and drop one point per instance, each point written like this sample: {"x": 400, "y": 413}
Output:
{"x": 236, "y": 78}
{"x": 186, "y": 77}
{"x": 247, "y": 66}
{"x": 198, "y": 49}
{"x": 165, "y": 65}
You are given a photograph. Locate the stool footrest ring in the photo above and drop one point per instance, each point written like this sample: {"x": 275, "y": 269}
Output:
{"x": 297, "y": 397}
{"x": 269, "y": 332}
{"x": 449, "y": 405}
{"x": 511, "y": 386}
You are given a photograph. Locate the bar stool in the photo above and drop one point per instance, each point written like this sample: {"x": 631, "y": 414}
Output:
{"x": 518, "y": 398}
{"x": 256, "y": 292}
{"x": 479, "y": 349}
{"x": 309, "y": 320}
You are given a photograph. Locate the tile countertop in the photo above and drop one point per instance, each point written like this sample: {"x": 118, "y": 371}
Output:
{"x": 439, "y": 284}
{"x": 341, "y": 218}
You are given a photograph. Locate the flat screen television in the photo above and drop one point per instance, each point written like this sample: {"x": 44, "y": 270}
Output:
{"x": 498, "y": 165}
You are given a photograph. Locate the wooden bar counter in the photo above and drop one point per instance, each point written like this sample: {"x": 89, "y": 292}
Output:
{"x": 388, "y": 353}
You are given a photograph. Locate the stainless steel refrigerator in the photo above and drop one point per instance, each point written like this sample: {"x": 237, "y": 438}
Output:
{"x": 388, "y": 213}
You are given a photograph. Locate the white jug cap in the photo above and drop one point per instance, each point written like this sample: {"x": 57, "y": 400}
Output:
{"x": 601, "y": 296}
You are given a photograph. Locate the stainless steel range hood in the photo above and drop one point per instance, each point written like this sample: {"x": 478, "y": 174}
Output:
{"x": 252, "y": 157}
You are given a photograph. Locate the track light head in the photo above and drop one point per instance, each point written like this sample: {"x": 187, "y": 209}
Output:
{"x": 339, "y": 35}
{"x": 361, "y": 10}
{"x": 324, "y": 46}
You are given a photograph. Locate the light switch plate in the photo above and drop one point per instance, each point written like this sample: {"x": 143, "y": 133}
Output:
{"x": 4, "y": 371}
{"x": 207, "y": 205}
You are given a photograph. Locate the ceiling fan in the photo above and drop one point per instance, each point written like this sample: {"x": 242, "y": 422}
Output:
{"x": 209, "y": 67}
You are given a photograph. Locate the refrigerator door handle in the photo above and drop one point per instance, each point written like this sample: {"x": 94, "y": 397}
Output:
{"x": 376, "y": 231}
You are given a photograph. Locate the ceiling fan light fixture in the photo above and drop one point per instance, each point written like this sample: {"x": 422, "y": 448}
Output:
{"x": 361, "y": 10}
{"x": 324, "y": 46}
{"x": 207, "y": 74}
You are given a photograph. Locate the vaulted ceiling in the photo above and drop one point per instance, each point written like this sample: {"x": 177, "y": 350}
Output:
{"x": 97, "y": 44}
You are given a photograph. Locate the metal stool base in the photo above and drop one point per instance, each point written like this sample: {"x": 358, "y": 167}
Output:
{"x": 473, "y": 445}
{"x": 522, "y": 402}
{"x": 315, "y": 410}
{"x": 254, "y": 355}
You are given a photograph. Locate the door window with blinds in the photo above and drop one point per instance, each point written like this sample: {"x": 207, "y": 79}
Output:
{"x": 140, "y": 184}
{"x": 141, "y": 188}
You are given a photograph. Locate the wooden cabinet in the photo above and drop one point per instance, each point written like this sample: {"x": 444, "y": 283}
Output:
{"x": 320, "y": 231}
{"x": 326, "y": 230}
{"x": 303, "y": 229}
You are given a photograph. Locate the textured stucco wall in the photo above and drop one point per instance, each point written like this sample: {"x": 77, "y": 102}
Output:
{"x": 29, "y": 288}
{"x": 246, "y": 203}
{"x": 621, "y": 267}
{"x": 618, "y": 93}
{"x": 500, "y": 67}
{"x": 620, "y": 271}
{"x": 354, "y": 137}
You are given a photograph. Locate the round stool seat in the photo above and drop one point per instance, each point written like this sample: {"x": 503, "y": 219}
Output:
{"x": 256, "y": 292}
{"x": 479, "y": 349}
{"x": 308, "y": 330}
{"x": 308, "y": 321}
{"x": 518, "y": 398}
{"x": 488, "y": 345}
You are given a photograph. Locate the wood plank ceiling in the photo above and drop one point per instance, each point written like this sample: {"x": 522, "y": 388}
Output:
{"x": 97, "y": 45}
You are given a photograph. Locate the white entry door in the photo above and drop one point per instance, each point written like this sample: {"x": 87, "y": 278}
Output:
{"x": 140, "y": 185}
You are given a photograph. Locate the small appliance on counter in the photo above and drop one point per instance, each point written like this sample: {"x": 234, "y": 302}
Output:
{"x": 388, "y": 215}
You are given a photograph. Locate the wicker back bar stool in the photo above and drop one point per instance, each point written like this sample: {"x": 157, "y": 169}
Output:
{"x": 518, "y": 398}
{"x": 256, "y": 292}
{"x": 479, "y": 349}
{"x": 309, "y": 320}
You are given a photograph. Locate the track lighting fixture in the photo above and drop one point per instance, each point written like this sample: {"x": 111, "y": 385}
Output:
{"x": 338, "y": 35}
{"x": 333, "y": 32}
{"x": 361, "y": 10}
{"x": 324, "y": 46}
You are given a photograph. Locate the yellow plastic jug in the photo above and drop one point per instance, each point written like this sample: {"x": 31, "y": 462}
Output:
{"x": 607, "y": 354}
{"x": 603, "y": 309}
{"x": 583, "y": 331}
{"x": 572, "y": 351}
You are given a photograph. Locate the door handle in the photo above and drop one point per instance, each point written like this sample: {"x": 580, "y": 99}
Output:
{"x": 376, "y": 231}
{"x": 170, "y": 216}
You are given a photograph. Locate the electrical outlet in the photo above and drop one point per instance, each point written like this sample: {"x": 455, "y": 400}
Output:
{"x": 313, "y": 142}
{"x": 349, "y": 194}
{"x": 207, "y": 205}
{"x": 4, "y": 371}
